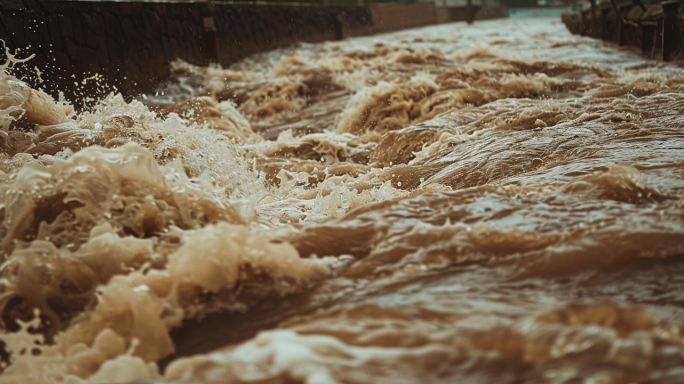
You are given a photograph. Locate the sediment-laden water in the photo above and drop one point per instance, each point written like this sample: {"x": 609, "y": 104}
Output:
{"x": 496, "y": 203}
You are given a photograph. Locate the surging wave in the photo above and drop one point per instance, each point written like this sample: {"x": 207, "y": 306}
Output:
{"x": 401, "y": 208}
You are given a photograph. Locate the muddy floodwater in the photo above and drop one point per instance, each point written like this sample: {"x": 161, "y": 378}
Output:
{"x": 495, "y": 203}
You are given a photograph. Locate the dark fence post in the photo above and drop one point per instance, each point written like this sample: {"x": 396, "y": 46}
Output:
{"x": 594, "y": 19}
{"x": 671, "y": 34}
{"x": 210, "y": 35}
{"x": 648, "y": 37}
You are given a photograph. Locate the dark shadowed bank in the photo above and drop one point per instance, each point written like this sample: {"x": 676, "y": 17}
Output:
{"x": 129, "y": 45}
{"x": 655, "y": 27}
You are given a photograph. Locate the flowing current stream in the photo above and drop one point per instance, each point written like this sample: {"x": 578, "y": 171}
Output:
{"x": 495, "y": 203}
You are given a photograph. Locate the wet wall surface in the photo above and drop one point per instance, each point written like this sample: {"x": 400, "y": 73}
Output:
{"x": 88, "y": 49}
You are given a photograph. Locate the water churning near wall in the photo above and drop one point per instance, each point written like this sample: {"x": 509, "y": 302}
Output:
{"x": 501, "y": 203}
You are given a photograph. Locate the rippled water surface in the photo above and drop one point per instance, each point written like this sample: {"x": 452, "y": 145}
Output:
{"x": 496, "y": 203}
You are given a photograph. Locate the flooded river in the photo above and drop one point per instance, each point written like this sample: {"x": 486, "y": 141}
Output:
{"x": 495, "y": 203}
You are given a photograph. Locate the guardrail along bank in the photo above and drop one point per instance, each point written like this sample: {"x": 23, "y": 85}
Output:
{"x": 654, "y": 27}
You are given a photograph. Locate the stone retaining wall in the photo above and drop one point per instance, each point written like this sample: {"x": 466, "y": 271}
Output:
{"x": 130, "y": 44}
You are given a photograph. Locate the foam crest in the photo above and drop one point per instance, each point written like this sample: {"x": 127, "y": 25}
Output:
{"x": 403, "y": 208}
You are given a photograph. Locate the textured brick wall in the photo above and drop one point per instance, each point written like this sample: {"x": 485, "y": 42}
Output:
{"x": 130, "y": 44}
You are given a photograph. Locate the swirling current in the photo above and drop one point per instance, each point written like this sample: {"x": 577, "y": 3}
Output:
{"x": 495, "y": 203}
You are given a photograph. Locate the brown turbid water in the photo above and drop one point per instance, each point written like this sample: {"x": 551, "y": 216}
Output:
{"x": 495, "y": 203}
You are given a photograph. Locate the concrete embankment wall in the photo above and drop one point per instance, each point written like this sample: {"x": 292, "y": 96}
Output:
{"x": 130, "y": 44}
